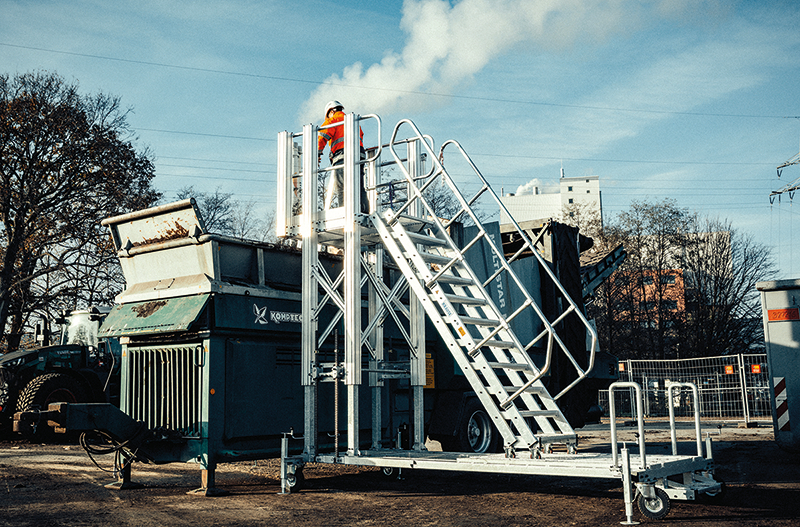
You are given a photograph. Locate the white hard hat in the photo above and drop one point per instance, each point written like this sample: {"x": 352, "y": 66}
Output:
{"x": 331, "y": 105}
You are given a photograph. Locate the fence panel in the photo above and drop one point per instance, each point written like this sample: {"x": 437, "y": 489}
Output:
{"x": 730, "y": 386}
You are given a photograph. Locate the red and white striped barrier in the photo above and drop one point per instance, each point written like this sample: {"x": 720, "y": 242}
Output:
{"x": 781, "y": 403}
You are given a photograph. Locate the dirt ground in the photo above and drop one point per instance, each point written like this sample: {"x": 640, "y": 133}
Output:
{"x": 55, "y": 485}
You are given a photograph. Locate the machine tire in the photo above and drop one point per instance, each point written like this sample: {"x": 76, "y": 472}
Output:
{"x": 476, "y": 432}
{"x": 654, "y": 508}
{"x": 44, "y": 390}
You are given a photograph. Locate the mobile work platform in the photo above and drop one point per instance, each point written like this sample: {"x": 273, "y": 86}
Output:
{"x": 412, "y": 227}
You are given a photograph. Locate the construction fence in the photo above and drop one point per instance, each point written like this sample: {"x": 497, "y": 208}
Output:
{"x": 731, "y": 387}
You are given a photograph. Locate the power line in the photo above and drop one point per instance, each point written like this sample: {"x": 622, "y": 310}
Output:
{"x": 216, "y": 160}
{"x": 194, "y": 176}
{"x": 205, "y": 135}
{"x": 216, "y": 168}
{"x": 653, "y": 162}
{"x": 394, "y": 90}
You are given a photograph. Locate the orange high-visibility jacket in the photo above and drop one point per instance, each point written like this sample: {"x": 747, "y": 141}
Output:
{"x": 335, "y": 135}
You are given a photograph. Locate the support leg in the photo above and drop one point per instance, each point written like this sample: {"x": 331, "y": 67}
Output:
{"x": 208, "y": 485}
{"x": 627, "y": 488}
{"x": 124, "y": 478}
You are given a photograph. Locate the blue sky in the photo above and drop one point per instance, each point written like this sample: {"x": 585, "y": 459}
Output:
{"x": 687, "y": 99}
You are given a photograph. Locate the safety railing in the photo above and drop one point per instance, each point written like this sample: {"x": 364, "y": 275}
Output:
{"x": 637, "y": 390}
{"x": 417, "y": 187}
{"x": 299, "y": 172}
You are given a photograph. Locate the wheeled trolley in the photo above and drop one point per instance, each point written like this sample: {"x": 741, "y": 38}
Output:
{"x": 491, "y": 320}
{"x": 651, "y": 481}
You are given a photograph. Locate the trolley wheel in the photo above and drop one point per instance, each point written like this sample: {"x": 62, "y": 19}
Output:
{"x": 715, "y": 497}
{"x": 295, "y": 481}
{"x": 654, "y": 508}
{"x": 389, "y": 472}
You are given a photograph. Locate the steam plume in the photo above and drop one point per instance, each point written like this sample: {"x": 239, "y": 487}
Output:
{"x": 448, "y": 43}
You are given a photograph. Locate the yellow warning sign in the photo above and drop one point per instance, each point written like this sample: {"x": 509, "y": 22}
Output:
{"x": 429, "y": 381}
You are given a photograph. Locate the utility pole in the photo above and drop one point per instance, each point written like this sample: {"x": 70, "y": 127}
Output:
{"x": 791, "y": 187}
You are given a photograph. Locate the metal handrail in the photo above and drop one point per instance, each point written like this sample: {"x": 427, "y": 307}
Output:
{"x": 696, "y": 401}
{"x": 640, "y": 421}
{"x": 360, "y": 118}
{"x": 582, "y": 374}
{"x": 438, "y": 168}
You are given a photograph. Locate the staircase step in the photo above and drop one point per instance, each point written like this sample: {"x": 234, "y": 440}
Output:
{"x": 541, "y": 390}
{"x": 413, "y": 223}
{"x": 516, "y": 366}
{"x": 540, "y": 413}
{"x": 466, "y": 300}
{"x": 557, "y": 438}
{"x": 506, "y": 344}
{"x": 479, "y": 321}
{"x": 423, "y": 239}
{"x": 435, "y": 258}
{"x": 455, "y": 280}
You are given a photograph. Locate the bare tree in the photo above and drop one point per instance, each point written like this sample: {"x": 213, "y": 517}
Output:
{"x": 722, "y": 267}
{"x": 687, "y": 287}
{"x": 66, "y": 162}
{"x": 585, "y": 216}
{"x": 217, "y": 208}
{"x": 643, "y": 308}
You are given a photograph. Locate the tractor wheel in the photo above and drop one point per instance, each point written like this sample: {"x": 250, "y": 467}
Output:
{"x": 44, "y": 390}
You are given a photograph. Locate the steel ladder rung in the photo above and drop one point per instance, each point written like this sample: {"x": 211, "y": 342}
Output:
{"x": 423, "y": 239}
{"x": 465, "y": 300}
{"x": 506, "y": 344}
{"x": 435, "y": 258}
{"x": 454, "y": 280}
{"x": 479, "y": 321}
{"x": 516, "y": 366}
{"x": 540, "y": 413}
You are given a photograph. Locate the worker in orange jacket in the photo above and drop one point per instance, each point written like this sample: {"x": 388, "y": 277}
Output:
{"x": 334, "y": 113}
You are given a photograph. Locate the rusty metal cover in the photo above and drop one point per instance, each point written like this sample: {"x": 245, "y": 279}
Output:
{"x": 154, "y": 316}
{"x": 156, "y": 225}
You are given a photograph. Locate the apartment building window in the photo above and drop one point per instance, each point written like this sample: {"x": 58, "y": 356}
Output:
{"x": 667, "y": 279}
{"x": 569, "y": 189}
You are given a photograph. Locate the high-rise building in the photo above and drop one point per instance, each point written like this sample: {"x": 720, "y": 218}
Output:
{"x": 537, "y": 203}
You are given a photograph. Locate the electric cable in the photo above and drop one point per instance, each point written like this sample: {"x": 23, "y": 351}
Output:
{"x": 119, "y": 450}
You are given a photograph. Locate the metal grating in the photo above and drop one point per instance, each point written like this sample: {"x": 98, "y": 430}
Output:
{"x": 165, "y": 387}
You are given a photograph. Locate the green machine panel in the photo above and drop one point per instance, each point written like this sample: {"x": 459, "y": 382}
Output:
{"x": 165, "y": 315}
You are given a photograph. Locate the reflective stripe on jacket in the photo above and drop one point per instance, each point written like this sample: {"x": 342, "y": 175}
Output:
{"x": 335, "y": 134}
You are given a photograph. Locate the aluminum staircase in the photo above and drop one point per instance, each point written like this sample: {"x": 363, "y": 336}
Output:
{"x": 478, "y": 334}
{"x": 452, "y": 267}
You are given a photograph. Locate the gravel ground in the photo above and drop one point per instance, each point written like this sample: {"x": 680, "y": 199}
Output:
{"x": 44, "y": 485}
